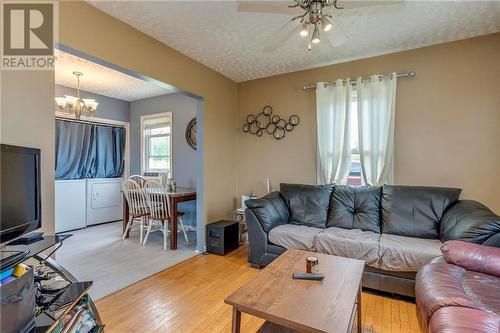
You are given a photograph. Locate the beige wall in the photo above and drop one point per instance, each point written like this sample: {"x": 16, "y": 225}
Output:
{"x": 447, "y": 120}
{"x": 84, "y": 28}
{"x": 27, "y": 119}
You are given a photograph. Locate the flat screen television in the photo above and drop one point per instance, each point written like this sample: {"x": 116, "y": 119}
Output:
{"x": 20, "y": 197}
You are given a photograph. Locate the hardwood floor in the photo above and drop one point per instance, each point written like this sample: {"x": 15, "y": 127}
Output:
{"x": 189, "y": 297}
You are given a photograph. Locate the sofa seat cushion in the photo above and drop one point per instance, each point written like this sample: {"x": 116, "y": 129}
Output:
{"x": 349, "y": 243}
{"x": 455, "y": 319}
{"x": 292, "y": 236}
{"x": 407, "y": 254}
{"x": 442, "y": 285}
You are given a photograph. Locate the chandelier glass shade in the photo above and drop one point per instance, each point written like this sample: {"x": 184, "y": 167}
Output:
{"x": 77, "y": 105}
{"x": 314, "y": 18}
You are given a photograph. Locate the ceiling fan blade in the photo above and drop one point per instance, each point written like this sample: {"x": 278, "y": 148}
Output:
{"x": 268, "y": 7}
{"x": 280, "y": 37}
{"x": 350, "y": 4}
{"x": 337, "y": 36}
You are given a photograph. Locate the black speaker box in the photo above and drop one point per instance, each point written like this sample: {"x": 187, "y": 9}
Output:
{"x": 222, "y": 237}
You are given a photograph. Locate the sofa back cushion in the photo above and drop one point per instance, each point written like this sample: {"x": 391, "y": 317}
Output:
{"x": 308, "y": 204}
{"x": 354, "y": 207}
{"x": 270, "y": 210}
{"x": 415, "y": 211}
{"x": 471, "y": 221}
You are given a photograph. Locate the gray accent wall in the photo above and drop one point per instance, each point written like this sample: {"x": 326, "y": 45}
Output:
{"x": 183, "y": 108}
{"x": 108, "y": 108}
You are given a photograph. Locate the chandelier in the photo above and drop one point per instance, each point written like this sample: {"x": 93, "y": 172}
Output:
{"x": 314, "y": 18}
{"x": 77, "y": 105}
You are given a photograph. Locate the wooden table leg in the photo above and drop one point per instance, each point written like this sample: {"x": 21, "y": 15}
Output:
{"x": 125, "y": 216}
{"x": 359, "y": 309}
{"x": 236, "y": 320}
{"x": 173, "y": 234}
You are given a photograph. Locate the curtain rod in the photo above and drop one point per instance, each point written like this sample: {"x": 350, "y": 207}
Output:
{"x": 409, "y": 74}
{"x": 88, "y": 122}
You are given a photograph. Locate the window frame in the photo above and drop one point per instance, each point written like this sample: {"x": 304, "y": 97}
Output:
{"x": 145, "y": 144}
{"x": 354, "y": 174}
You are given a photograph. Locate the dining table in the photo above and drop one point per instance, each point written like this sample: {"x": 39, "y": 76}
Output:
{"x": 180, "y": 194}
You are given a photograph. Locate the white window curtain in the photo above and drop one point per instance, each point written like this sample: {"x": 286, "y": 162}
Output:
{"x": 333, "y": 106}
{"x": 376, "y": 114}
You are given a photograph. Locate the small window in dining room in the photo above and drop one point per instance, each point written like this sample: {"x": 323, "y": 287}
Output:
{"x": 157, "y": 143}
{"x": 354, "y": 177}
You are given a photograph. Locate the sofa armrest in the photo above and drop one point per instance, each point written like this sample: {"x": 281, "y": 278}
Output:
{"x": 472, "y": 257}
{"x": 271, "y": 210}
{"x": 262, "y": 215}
{"x": 472, "y": 222}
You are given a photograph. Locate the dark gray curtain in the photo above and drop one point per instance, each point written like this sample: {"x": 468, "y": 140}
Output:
{"x": 75, "y": 150}
{"x": 110, "y": 144}
{"x": 88, "y": 150}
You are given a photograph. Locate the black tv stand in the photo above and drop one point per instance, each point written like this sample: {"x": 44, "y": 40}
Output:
{"x": 10, "y": 258}
{"x": 28, "y": 239}
{"x": 58, "y": 304}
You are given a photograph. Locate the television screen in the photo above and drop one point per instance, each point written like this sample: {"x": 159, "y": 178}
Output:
{"x": 20, "y": 191}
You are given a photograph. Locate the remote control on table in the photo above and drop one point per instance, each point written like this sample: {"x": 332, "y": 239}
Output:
{"x": 308, "y": 276}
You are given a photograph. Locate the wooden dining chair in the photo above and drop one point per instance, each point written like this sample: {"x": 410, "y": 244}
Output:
{"x": 159, "y": 207}
{"x": 137, "y": 205}
{"x": 138, "y": 179}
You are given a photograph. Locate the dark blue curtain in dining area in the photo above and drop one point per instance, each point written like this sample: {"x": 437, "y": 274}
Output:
{"x": 109, "y": 157}
{"x": 85, "y": 150}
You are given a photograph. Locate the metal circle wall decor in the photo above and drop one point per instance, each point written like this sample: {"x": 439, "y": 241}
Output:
{"x": 254, "y": 127}
{"x": 281, "y": 123}
{"x": 263, "y": 120}
{"x": 294, "y": 120}
{"x": 267, "y": 110}
{"x": 191, "y": 133}
{"x": 279, "y": 133}
{"x": 270, "y": 128}
{"x": 273, "y": 125}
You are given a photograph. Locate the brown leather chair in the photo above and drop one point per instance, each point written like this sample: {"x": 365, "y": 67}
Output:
{"x": 460, "y": 292}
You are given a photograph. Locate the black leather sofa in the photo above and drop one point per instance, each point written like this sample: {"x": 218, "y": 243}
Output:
{"x": 394, "y": 229}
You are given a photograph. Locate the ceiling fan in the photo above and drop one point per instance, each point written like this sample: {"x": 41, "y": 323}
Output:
{"x": 314, "y": 17}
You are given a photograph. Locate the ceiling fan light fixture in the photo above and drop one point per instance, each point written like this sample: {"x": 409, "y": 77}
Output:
{"x": 304, "y": 30}
{"x": 327, "y": 24}
{"x": 315, "y": 36}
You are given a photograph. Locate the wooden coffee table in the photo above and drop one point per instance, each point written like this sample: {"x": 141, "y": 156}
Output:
{"x": 287, "y": 305}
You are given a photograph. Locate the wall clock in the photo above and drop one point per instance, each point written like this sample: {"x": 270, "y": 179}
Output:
{"x": 191, "y": 133}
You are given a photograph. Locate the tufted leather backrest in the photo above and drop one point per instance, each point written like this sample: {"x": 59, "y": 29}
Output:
{"x": 308, "y": 204}
{"x": 271, "y": 210}
{"x": 415, "y": 211}
{"x": 471, "y": 221}
{"x": 355, "y": 208}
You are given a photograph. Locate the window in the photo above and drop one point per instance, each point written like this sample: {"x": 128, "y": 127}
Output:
{"x": 354, "y": 177}
{"x": 157, "y": 143}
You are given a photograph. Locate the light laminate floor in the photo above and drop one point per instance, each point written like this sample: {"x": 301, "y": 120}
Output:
{"x": 189, "y": 297}
{"x": 97, "y": 253}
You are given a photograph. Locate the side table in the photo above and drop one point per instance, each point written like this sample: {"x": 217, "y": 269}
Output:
{"x": 239, "y": 216}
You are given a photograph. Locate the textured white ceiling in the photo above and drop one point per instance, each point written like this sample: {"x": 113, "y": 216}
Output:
{"x": 102, "y": 80}
{"x": 231, "y": 42}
